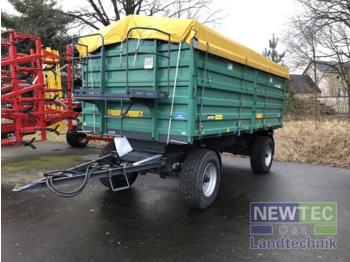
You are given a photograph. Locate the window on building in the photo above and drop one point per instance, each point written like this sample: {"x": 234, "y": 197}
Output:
{"x": 342, "y": 92}
{"x": 338, "y": 78}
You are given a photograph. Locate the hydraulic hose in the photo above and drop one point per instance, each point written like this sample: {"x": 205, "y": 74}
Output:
{"x": 68, "y": 194}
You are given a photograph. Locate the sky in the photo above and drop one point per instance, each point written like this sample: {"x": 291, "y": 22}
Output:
{"x": 249, "y": 22}
{"x": 252, "y": 22}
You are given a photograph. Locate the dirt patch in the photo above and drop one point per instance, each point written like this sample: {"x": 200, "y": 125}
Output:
{"x": 19, "y": 166}
{"x": 23, "y": 171}
{"x": 322, "y": 142}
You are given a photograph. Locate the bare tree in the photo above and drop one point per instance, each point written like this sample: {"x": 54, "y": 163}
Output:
{"x": 336, "y": 47}
{"x": 331, "y": 19}
{"x": 100, "y": 13}
{"x": 302, "y": 41}
{"x": 335, "y": 18}
{"x": 328, "y": 11}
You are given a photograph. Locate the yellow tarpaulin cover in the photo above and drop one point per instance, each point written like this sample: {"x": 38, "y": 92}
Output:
{"x": 181, "y": 30}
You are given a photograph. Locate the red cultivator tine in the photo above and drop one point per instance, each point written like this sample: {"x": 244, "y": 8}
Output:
{"x": 29, "y": 105}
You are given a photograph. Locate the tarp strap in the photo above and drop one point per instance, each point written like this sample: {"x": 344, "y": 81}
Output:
{"x": 174, "y": 92}
{"x": 136, "y": 49}
{"x": 205, "y": 77}
{"x": 121, "y": 52}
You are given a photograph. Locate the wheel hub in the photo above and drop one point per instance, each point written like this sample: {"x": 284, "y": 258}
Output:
{"x": 209, "y": 179}
{"x": 268, "y": 156}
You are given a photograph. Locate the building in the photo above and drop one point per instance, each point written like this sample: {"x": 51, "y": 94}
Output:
{"x": 334, "y": 92}
{"x": 302, "y": 86}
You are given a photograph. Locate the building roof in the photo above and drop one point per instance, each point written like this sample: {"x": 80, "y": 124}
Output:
{"x": 327, "y": 66}
{"x": 302, "y": 84}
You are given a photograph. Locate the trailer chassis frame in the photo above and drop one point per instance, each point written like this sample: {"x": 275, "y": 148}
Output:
{"x": 134, "y": 162}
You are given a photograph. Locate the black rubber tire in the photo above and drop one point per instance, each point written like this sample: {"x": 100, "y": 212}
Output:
{"x": 191, "y": 178}
{"x": 75, "y": 139}
{"x": 116, "y": 180}
{"x": 5, "y": 135}
{"x": 258, "y": 154}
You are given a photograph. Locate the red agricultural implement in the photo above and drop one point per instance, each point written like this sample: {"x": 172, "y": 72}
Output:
{"x": 28, "y": 104}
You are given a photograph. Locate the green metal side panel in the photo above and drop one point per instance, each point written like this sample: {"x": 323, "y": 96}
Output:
{"x": 213, "y": 96}
{"x": 243, "y": 99}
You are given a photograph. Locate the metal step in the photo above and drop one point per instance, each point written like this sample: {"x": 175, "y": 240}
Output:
{"x": 135, "y": 156}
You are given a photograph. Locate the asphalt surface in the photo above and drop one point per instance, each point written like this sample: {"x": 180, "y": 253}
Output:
{"x": 150, "y": 222}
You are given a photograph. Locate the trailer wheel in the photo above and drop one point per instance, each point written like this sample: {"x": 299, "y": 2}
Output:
{"x": 118, "y": 181}
{"x": 75, "y": 139}
{"x": 5, "y": 135}
{"x": 261, "y": 155}
{"x": 200, "y": 178}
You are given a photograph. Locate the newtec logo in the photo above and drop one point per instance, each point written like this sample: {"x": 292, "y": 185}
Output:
{"x": 322, "y": 214}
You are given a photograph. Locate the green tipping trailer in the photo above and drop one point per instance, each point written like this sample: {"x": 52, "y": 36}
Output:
{"x": 173, "y": 95}
{"x": 197, "y": 96}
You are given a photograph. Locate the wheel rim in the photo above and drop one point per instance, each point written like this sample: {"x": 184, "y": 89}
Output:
{"x": 268, "y": 155}
{"x": 82, "y": 139}
{"x": 209, "y": 179}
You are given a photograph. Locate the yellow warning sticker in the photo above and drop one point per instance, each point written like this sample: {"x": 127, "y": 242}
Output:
{"x": 219, "y": 117}
{"x": 215, "y": 117}
{"x": 259, "y": 116}
{"x": 131, "y": 114}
